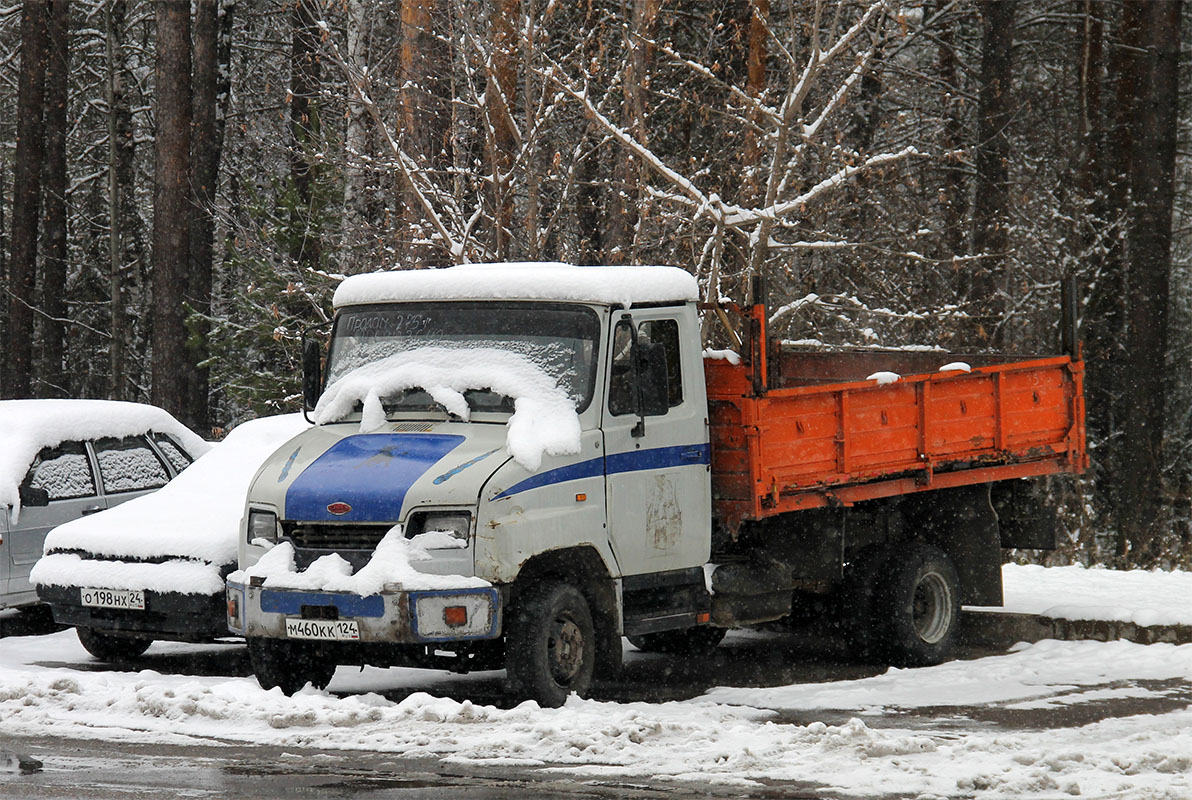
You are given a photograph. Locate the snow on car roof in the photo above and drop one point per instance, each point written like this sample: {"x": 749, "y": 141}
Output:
{"x": 196, "y": 515}
{"x": 27, "y": 426}
{"x": 623, "y": 286}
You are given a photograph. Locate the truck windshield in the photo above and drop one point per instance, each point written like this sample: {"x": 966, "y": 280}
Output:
{"x": 560, "y": 339}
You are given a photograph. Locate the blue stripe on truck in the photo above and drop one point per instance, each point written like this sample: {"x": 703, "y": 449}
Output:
{"x": 683, "y": 455}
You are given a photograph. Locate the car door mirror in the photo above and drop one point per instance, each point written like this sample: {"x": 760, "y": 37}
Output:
{"x": 312, "y": 377}
{"x": 33, "y": 497}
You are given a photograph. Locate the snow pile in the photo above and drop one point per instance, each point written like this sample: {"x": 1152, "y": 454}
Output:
{"x": 192, "y": 522}
{"x": 391, "y": 563}
{"x": 27, "y": 426}
{"x": 884, "y": 378}
{"x": 866, "y": 752}
{"x": 621, "y": 286}
{"x": 544, "y": 420}
{"x": 956, "y": 366}
{"x": 731, "y": 356}
{"x": 1139, "y": 596}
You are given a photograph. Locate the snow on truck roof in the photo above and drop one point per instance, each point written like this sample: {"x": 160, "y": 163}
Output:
{"x": 27, "y": 426}
{"x": 623, "y": 286}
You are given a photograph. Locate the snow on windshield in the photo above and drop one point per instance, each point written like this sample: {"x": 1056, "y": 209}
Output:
{"x": 195, "y": 516}
{"x": 28, "y": 426}
{"x": 544, "y": 420}
{"x": 391, "y": 563}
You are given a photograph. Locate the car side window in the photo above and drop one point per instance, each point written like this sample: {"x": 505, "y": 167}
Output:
{"x": 666, "y": 333}
{"x": 63, "y": 471}
{"x": 129, "y": 465}
{"x": 179, "y": 459}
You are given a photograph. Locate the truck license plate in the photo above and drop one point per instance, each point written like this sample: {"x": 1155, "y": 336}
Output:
{"x": 337, "y": 629}
{"x": 113, "y": 598}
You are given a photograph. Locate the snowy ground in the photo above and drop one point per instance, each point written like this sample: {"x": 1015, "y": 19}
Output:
{"x": 936, "y": 732}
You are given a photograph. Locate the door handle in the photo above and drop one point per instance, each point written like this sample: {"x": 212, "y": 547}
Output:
{"x": 692, "y": 454}
{"x": 92, "y": 510}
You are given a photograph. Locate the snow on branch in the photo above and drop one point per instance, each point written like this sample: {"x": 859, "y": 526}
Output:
{"x": 742, "y": 216}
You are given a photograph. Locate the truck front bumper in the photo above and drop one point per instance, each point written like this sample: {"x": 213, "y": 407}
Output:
{"x": 391, "y": 617}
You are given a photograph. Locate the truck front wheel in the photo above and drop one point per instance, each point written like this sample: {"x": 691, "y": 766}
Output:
{"x": 921, "y": 603}
{"x": 550, "y": 644}
{"x": 289, "y": 665}
{"x": 107, "y": 647}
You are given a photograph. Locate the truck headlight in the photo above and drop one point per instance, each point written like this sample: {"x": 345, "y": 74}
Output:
{"x": 458, "y": 524}
{"x": 262, "y": 525}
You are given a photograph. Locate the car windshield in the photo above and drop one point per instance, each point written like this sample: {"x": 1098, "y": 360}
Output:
{"x": 560, "y": 339}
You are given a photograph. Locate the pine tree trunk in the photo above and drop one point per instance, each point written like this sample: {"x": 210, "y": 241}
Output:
{"x": 26, "y": 201}
{"x": 53, "y": 276}
{"x": 954, "y": 195}
{"x": 121, "y": 154}
{"x": 502, "y": 92}
{"x": 1152, "y": 190}
{"x": 305, "y": 77}
{"x": 755, "y": 85}
{"x": 624, "y": 215}
{"x": 991, "y": 208}
{"x": 212, "y": 29}
{"x": 172, "y": 204}
{"x": 424, "y": 120}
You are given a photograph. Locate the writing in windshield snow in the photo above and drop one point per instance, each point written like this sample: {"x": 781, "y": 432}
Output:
{"x": 386, "y": 325}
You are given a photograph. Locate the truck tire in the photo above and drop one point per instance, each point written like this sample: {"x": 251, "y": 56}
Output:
{"x": 859, "y": 620}
{"x": 550, "y": 644}
{"x": 106, "y": 647}
{"x": 698, "y": 641}
{"x": 289, "y": 665}
{"x": 919, "y": 601}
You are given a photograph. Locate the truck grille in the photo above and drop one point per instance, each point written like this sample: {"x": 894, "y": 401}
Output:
{"x": 334, "y": 537}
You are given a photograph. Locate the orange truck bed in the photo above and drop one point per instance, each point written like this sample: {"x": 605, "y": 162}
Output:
{"x": 822, "y": 434}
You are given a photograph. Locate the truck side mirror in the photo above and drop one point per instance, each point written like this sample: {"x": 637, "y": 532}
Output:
{"x": 654, "y": 382}
{"x": 312, "y": 373}
{"x": 33, "y": 497}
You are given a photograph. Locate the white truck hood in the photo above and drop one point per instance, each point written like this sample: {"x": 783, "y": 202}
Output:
{"x": 333, "y": 473}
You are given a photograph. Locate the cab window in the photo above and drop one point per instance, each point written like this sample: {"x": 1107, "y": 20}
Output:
{"x": 666, "y": 333}
{"x": 622, "y": 385}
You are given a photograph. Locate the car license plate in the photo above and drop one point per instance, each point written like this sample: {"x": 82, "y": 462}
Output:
{"x": 113, "y": 598}
{"x": 337, "y": 629}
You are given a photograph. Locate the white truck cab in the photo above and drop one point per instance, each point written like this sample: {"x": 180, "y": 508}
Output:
{"x": 510, "y": 467}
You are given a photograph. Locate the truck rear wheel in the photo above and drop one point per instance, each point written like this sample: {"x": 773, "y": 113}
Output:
{"x": 550, "y": 645}
{"x": 699, "y": 641}
{"x": 289, "y": 665}
{"x": 107, "y": 647}
{"x": 920, "y": 602}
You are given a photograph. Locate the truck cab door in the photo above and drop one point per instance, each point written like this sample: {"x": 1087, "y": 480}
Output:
{"x": 656, "y": 457}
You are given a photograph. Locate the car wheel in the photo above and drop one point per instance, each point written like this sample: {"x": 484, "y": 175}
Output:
{"x": 107, "y": 647}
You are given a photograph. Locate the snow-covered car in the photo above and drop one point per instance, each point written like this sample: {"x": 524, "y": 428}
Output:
{"x": 65, "y": 459}
{"x": 154, "y": 569}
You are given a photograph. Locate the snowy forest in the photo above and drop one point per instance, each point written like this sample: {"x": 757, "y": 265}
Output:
{"x": 184, "y": 183}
